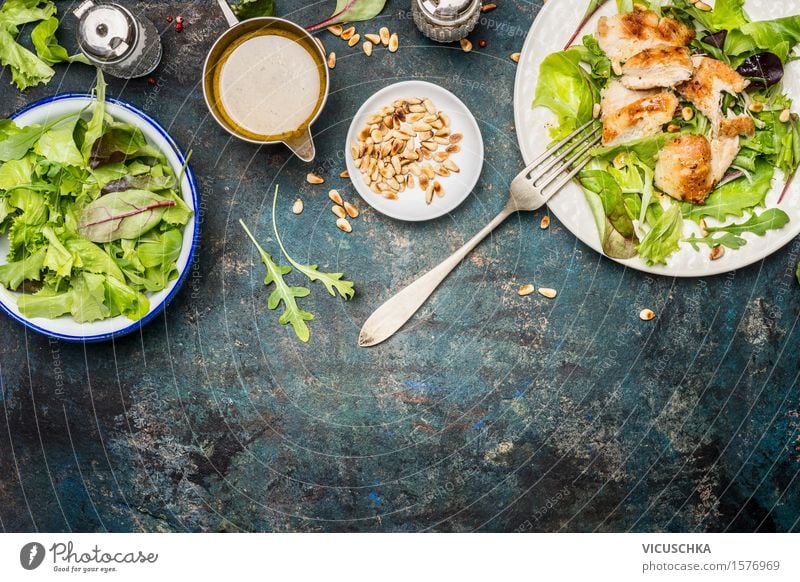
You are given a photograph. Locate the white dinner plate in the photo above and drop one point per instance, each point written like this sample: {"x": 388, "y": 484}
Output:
{"x": 552, "y": 28}
{"x": 66, "y": 328}
{"x": 411, "y": 204}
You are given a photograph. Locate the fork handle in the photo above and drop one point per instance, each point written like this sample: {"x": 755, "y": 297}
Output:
{"x": 393, "y": 314}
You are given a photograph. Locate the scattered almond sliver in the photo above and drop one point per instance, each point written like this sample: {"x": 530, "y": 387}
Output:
{"x": 547, "y": 292}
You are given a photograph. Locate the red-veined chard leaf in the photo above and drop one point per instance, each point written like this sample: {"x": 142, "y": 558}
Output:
{"x": 351, "y": 11}
{"x": 122, "y": 215}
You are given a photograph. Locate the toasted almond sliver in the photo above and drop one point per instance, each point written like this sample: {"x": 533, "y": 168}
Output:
{"x": 367, "y": 46}
{"x": 394, "y": 43}
{"x": 335, "y": 30}
{"x": 717, "y": 253}
{"x": 547, "y": 292}
{"x": 429, "y": 194}
{"x": 515, "y": 57}
{"x": 354, "y": 40}
{"x": 385, "y": 36}
{"x": 646, "y": 314}
{"x": 373, "y": 38}
{"x": 456, "y": 137}
{"x": 438, "y": 189}
{"x": 344, "y": 174}
{"x": 545, "y": 224}
{"x": 297, "y": 207}
{"x": 466, "y": 45}
{"x": 338, "y": 211}
{"x": 335, "y": 197}
{"x": 313, "y": 178}
{"x": 526, "y": 290}
{"x": 343, "y": 225}
{"x": 351, "y": 209}
{"x": 348, "y": 33}
{"x": 332, "y": 60}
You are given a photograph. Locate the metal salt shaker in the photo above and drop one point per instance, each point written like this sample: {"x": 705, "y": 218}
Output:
{"x": 446, "y": 20}
{"x": 119, "y": 42}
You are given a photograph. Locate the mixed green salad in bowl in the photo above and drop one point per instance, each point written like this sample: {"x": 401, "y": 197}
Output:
{"x": 97, "y": 216}
{"x": 697, "y": 127}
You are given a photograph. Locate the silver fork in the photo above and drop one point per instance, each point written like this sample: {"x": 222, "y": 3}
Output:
{"x": 530, "y": 190}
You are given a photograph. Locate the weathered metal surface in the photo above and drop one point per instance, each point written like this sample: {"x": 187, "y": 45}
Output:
{"x": 489, "y": 412}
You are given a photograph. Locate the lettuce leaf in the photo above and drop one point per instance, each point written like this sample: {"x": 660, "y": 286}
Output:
{"x": 777, "y": 36}
{"x": 566, "y": 89}
{"x": 664, "y": 238}
{"x": 617, "y": 235}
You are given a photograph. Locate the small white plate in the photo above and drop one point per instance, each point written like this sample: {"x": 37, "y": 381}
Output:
{"x": 66, "y": 328}
{"x": 411, "y": 204}
{"x": 553, "y": 26}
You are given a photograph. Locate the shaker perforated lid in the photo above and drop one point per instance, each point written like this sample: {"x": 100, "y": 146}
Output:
{"x": 105, "y": 32}
{"x": 449, "y": 12}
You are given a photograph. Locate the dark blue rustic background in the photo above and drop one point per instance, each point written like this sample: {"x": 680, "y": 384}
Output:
{"x": 490, "y": 412}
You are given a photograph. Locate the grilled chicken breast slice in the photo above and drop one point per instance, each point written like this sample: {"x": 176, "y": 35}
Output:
{"x": 683, "y": 170}
{"x": 624, "y": 35}
{"x": 643, "y": 117}
{"x": 663, "y": 66}
{"x": 726, "y": 146}
{"x": 711, "y": 78}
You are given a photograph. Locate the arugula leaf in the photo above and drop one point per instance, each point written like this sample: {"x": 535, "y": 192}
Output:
{"x": 797, "y": 272}
{"x": 734, "y": 198}
{"x": 729, "y": 240}
{"x": 245, "y": 9}
{"x": 292, "y": 314}
{"x": 332, "y": 281}
{"x": 772, "y": 219}
{"x": 664, "y": 238}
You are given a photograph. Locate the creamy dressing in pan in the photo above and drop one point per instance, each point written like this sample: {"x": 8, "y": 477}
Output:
{"x": 270, "y": 84}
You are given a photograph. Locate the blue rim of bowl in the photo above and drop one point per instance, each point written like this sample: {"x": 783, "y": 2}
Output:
{"x": 156, "y": 311}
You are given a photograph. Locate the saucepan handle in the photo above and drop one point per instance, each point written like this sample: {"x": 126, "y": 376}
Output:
{"x": 302, "y": 144}
{"x": 227, "y": 12}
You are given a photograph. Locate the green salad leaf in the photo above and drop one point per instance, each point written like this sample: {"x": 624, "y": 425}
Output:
{"x": 734, "y": 198}
{"x": 566, "y": 89}
{"x": 618, "y": 236}
{"x": 664, "y": 238}
{"x": 777, "y": 36}
{"x": 292, "y": 313}
{"x": 75, "y": 249}
{"x": 29, "y": 69}
{"x": 245, "y": 9}
{"x": 771, "y": 219}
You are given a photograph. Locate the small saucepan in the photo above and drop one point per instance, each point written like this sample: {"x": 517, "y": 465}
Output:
{"x": 266, "y": 81}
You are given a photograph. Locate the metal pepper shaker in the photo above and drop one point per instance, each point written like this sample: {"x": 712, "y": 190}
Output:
{"x": 446, "y": 20}
{"x": 119, "y": 42}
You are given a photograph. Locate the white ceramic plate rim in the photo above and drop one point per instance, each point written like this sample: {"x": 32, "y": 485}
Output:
{"x": 457, "y": 186}
{"x": 549, "y": 32}
{"x": 66, "y": 328}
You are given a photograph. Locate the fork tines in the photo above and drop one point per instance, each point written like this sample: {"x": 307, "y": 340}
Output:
{"x": 551, "y": 165}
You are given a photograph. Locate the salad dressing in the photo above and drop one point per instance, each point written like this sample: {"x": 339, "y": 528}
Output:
{"x": 269, "y": 84}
